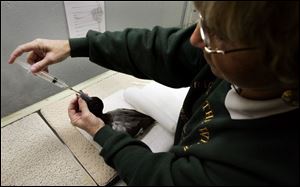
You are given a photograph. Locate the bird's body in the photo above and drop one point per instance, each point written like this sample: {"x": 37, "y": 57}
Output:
{"x": 122, "y": 120}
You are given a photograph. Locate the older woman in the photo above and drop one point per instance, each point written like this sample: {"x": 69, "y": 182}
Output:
{"x": 238, "y": 122}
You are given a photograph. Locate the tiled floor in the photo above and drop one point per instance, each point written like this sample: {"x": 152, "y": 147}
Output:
{"x": 31, "y": 154}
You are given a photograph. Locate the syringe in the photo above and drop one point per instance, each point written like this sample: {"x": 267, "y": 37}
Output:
{"x": 48, "y": 77}
{"x": 44, "y": 75}
{"x": 94, "y": 104}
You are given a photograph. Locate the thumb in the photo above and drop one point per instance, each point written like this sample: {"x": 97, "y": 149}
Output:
{"x": 82, "y": 105}
{"x": 39, "y": 66}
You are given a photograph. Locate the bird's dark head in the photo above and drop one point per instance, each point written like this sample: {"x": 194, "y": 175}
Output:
{"x": 96, "y": 106}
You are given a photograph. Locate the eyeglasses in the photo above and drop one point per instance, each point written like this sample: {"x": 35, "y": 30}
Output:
{"x": 205, "y": 38}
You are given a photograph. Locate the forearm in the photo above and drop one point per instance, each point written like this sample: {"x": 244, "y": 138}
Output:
{"x": 137, "y": 165}
{"x": 164, "y": 55}
{"x": 127, "y": 155}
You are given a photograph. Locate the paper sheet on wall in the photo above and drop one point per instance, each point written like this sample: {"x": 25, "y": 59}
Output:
{"x": 83, "y": 16}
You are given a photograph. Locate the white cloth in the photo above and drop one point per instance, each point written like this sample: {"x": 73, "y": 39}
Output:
{"x": 158, "y": 101}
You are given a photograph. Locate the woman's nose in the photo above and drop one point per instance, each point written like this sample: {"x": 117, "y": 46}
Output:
{"x": 196, "y": 39}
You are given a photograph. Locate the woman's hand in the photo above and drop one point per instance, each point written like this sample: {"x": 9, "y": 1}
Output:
{"x": 84, "y": 119}
{"x": 42, "y": 53}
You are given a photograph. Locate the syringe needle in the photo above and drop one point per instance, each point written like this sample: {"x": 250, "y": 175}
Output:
{"x": 74, "y": 90}
{"x": 84, "y": 96}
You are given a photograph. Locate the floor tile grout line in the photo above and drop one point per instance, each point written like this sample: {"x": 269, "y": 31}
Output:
{"x": 56, "y": 134}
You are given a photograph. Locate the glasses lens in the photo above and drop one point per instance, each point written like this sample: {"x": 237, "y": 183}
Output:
{"x": 203, "y": 36}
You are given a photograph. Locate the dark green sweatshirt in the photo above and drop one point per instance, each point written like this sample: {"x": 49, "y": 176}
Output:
{"x": 221, "y": 138}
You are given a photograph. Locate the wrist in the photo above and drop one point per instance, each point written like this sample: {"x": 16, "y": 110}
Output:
{"x": 96, "y": 128}
{"x": 67, "y": 47}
